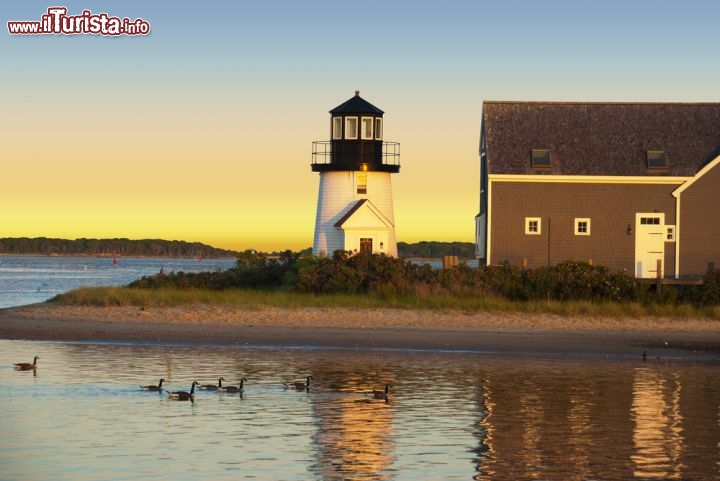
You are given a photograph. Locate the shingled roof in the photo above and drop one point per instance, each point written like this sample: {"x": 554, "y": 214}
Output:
{"x": 600, "y": 138}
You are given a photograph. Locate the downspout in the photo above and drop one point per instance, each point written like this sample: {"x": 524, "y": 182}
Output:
{"x": 677, "y": 237}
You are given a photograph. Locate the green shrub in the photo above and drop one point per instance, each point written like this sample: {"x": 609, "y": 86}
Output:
{"x": 386, "y": 277}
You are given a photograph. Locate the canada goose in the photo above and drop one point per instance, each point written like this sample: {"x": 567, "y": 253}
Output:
{"x": 184, "y": 395}
{"x": 381, "y": 394}
{"x": 26, "y": 366}
{"x": 235, "y": 389}
{"x": 152, "y": 387}
{"x": 213, "y": 387}
{"x": 299, "y": 385}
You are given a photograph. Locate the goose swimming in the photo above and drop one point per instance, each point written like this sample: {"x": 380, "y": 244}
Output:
{"x": 26, "y": 366}
{"x": 184, "y": 395}
{"x": 299, "y": 385}
{"x": 213, "y": 387}
{"x": 235, "y": 389}
{"x": 152, "y": 387}
{"x": 382, "y": 394}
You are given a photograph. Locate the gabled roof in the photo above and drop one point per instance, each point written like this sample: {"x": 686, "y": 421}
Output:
{"x": 356, "y": 105}
{"x": 363, "y": 215}
{"x": 600, "y": 138}
{"x": 710, "y": 166}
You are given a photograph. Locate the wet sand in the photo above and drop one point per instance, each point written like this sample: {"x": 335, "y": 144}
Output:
{"x": 515, "y": 333}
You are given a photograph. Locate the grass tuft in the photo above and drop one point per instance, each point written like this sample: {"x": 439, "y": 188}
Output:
{"x": 169, "y": 297}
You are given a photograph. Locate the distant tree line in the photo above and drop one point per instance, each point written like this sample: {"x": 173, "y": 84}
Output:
{"x": 377, "y": 274}
{"x": 111, "y": 247}
{"x": 165, "y": 248}
{"x": 436, "y": 250}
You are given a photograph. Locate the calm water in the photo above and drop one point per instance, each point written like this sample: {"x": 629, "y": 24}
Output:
{"x": 450, "y": 416}
{"x": 31, "y": 279}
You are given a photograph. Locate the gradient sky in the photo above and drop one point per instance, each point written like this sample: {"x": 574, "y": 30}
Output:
{"x": 202, "y": 130}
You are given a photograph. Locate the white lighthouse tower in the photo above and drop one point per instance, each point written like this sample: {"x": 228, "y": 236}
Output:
{"x": 355, "y": 205}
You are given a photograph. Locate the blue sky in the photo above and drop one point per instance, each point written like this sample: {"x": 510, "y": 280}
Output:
{"x": 201, "y": 131}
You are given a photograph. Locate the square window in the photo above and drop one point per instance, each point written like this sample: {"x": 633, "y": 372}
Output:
{"x": 540, "y": 158}
{"x": 670, "y": 233}
{"x": 351, "y": 127}
{"x": 337, "y": 128}
{"x": 582, "y": 226}
{"x": 367, "y": 128}
{"x": 532, "y": 225}
{"x": 656, "y": 159}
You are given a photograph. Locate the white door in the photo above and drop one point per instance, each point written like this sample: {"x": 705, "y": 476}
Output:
{"x": 649, "y": 244}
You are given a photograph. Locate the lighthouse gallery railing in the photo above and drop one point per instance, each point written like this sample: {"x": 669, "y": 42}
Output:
{"x": 322, "y": 152}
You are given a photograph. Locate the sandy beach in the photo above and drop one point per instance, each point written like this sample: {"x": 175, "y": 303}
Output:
{"x": 516, "y": 333}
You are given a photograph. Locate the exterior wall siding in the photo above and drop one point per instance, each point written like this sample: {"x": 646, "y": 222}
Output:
{"x": 611, "y": 208}
{"x": 699, "y": 233}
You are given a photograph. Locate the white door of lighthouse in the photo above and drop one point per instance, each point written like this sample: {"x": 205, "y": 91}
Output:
{"x": 649, "y": 244}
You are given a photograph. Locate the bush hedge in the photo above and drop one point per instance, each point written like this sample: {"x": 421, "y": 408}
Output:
{"x": 377, "y": 274}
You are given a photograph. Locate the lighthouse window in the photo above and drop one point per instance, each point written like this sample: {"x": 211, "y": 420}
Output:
{"x": 378, "y": 129}
{"x": 362, "y": 183}
{"x": 367, "y": 128}
{"x": 337, "y": 128}
{"x": 351, "y": 127}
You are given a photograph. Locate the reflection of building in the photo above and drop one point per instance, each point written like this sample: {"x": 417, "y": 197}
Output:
{"x": 355, "y": 205}
{"x": 651, "y": 422}
{"x": 530, "y": 422}
{"x": 658, "y": 435}
{"x": 353, "y": 435}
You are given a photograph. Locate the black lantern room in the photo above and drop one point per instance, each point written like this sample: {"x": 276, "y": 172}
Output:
{"x": 356, "y": 130}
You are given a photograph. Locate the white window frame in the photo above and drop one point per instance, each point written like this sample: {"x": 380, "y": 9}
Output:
{"x": 337, "y": 124}
{"x": 351, "y": 131}
{"x": 378, "y": 128}
{"x": 578, "y": 221}
{"x": 364, "y": 135}
{"x": 529, "y": 221}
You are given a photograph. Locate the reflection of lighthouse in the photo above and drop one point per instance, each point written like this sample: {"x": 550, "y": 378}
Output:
{"x": 355, "y": 207}
{"x": 353, "y": 436}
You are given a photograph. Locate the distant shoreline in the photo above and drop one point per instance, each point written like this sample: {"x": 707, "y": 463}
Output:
{"x": 110, "y": 256}
{"x": 345, "y": 328}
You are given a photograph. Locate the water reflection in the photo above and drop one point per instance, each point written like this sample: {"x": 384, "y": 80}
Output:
{"x": 484, "y": 431}
{"x": 658, "y": 435}
{"x": 353, "y": 438}
{"x": 449, "y": 416}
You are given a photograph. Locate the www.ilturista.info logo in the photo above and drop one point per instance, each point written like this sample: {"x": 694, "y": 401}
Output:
{"x": 56, "y": 21}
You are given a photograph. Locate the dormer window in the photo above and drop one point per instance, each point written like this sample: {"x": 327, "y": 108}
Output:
{"x": 351, "y": 128}
{"x": 656, "y": 159}
{"x": 541, "y": 158}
